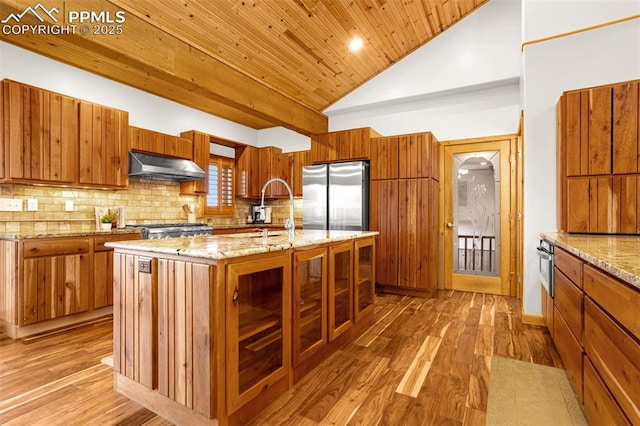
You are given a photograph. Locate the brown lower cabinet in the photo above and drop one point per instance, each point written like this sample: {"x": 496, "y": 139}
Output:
{"x": 50, "y": 280}
{"x": 597, "y": 334}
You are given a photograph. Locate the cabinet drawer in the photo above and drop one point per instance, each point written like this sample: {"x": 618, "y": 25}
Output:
{"x": 55, "y": 247}
{"x": 616, "y": 357}
{"x": 101, "y": 240}
{"x": 570, "y": 265}
{"x": 615, "y": 297}
{"x": 599, "y": 406}
{"x": 569, "y": 300}
{"x": 570, "y": 351}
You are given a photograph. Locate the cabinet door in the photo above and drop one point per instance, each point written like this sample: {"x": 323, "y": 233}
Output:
{"x": 384, "y": 158}
{"x": 599, "y": 116}
{"x": 384, "y": 219}
{"x": 626, "y": 205}
{"x": 364, "y": 279}
{"x": 324, "y": 147}
{"x": 146, "y": 141}
{"x": 309, "y": 303}
{"x": 200, "y": 155}
{"x": 340, "y": 289}
{"x": 626, "y": 110}
{"x": 283, "y": 169}
{"x": 258, "y": 327}
{"x": 589, "y": 205}
{"x": 300, "y": 159}
{"x": 415, "y": 155}
{"x": 104, "y": 145}
{"x": 576, "y": 132}
{"x": 247, "y": 185}
{"x": 414, "y": 246}
{"x": 54, "y": 286}
{"x": 266, "y": 170}
{"x": 178, "y": 147}
{"x": 41, "y": 131}
{"x": 354, "y": 144}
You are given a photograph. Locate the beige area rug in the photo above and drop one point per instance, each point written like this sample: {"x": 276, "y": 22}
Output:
{"x": 522, "y": 393}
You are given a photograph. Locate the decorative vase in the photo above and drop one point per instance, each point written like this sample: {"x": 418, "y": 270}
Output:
{"x": 105, "y": 226}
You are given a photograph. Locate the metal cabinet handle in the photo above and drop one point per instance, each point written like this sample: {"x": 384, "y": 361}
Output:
{"x": 235, "y": 297}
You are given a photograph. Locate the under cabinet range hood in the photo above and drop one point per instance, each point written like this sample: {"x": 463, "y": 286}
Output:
{"x": 148, "y": 166}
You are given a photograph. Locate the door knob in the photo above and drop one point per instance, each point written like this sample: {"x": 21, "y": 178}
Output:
{"x": 449, "y": 225}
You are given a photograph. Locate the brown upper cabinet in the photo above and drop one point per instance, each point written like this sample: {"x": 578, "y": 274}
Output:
{"x": 40, "y": 135}
{"x": 266, "y": 169}
{"x": 342, "y": 145}
{"x": 144, "y": 140}
{"x": 247, "y": 184}
{"x": 104, "y": 146}
{"x": 200, "y": 144}
{"x": 255, "y": 166}
{"x": 54, "y": 139}
{"x": 405, "y": 156}
{"x": 598, "y": 159}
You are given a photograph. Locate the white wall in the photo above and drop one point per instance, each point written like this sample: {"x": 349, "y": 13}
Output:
{"x": 600, "y": 56}
{"x": 469, "y": 74}
{"x": 145, "y": 110}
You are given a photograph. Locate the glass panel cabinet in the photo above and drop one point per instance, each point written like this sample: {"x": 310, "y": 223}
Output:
{"x": 364, "y": 277}
{"x": 340, "y": 289}
{"x": 259, "y": 307}
{"x": 309, "y": 303}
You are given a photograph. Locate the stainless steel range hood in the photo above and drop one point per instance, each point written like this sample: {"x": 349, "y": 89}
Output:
{"x": 149, "y": 166}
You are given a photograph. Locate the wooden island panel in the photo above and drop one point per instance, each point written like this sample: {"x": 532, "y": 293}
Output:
{"x": 208, "y": 341}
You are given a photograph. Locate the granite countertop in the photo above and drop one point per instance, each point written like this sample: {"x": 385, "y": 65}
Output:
{"x": 249, "y": 226}
{"x": 28, "y": 236}
{"x": 218, "y": 247}
{"x": 619, "y": 255}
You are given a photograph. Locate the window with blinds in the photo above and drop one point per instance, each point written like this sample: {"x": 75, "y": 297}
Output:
{"x": 220, "y": 197}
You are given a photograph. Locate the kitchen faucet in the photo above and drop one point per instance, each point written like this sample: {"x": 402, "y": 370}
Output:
{"x": 288, "y": 225}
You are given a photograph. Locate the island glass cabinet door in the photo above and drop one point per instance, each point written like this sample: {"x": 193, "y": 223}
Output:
{"x": 258, "y": 329}
{"x": 340, "y": 289}
{"x": 364, "y": 277}
{"x": 309, "y": 303}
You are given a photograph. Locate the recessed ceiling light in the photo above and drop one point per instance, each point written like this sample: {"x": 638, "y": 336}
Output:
{"x": 355, "y": 44}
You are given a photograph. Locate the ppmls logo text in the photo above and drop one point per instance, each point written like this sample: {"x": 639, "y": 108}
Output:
{"x": 71, "y": 21}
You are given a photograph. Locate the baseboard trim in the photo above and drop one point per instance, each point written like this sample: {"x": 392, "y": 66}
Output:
{"x": 533, "y": 319}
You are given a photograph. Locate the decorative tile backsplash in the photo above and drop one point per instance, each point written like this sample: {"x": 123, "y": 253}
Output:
{"x": 144, "y": 201}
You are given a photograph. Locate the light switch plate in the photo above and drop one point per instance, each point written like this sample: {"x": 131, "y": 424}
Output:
{"x": 32, "y": 204}
{"x": 68, "y": 205}
{"x": 10, "y": 204}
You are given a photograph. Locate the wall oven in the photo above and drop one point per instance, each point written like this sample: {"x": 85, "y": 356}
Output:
{"x": 545, "y": 266}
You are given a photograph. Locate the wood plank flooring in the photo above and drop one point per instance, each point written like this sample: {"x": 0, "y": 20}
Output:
{"x": 425, "y": 361}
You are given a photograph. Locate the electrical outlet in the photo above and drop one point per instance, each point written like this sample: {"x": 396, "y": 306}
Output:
{"x": 10, "y": 204}
{"x": 68, "y": 205}
{"x": 32, "y": 205}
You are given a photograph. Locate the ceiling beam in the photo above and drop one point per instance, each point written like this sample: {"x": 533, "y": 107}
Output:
{"x": 147, "y": 58}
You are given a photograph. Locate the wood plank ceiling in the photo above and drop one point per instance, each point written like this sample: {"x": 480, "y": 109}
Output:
{"x": 260, "y": 63}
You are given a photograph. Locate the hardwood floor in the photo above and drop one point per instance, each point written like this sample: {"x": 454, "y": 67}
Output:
{"x": 425, "y": 361}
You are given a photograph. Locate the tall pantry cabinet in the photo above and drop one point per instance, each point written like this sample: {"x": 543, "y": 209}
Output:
{"x": 598, "y": 154}
{"x": 404, "y": 209}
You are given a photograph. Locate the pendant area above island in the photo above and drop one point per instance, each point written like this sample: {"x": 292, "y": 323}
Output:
{"x": 212, "y": 329}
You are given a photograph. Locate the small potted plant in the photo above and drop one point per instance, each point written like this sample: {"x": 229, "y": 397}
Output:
{"x": 106, "y": 221}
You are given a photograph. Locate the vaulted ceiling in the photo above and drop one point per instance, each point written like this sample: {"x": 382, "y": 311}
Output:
{"x": 260, "y": 63}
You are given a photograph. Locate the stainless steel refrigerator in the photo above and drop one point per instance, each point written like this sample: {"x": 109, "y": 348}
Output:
{"x": 336, "y": 196}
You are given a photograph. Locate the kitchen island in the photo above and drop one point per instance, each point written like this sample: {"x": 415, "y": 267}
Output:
{"x": 212, "y": 329}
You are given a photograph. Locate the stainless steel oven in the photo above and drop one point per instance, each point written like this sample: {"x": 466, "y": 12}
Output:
{"x": 545, "y": 266}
